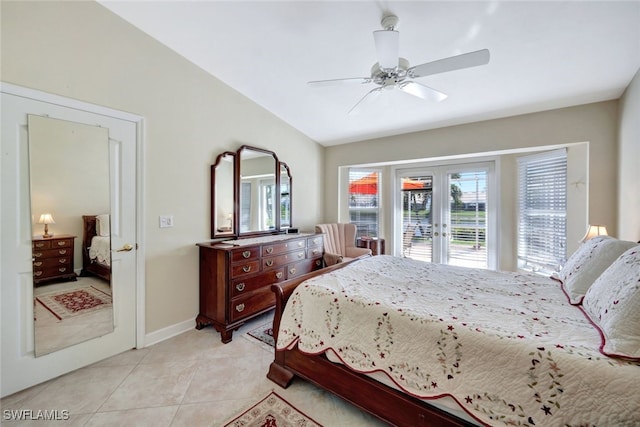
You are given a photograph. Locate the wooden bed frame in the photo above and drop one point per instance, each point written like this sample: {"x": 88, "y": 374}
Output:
{"x": 383, "y": 402}
{"x": 91, "y": 268}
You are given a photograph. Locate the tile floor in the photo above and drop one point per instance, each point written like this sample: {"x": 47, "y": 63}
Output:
{"x": 189, "y": 380}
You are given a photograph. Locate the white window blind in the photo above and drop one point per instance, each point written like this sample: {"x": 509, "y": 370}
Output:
{"x": 542, "y": 222}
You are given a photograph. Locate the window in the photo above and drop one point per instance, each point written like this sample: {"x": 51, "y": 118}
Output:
{"x": 542, "y": 200}
{"x": 364, "y": 195}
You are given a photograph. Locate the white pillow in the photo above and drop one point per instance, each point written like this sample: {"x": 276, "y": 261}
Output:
{"x": 613, "y": 304}
{"x": 103, "y": 227}
{"x": 587, "y": 263}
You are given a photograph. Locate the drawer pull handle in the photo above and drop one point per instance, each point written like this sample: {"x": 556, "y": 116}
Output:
{"x": 39, "y": 245}
{"x": 62, "y": 260}
{"x": 62, "y": 269}
{"x": 269, "y": 249}
{"x": 300, "y": 244}
{"x": 62, "y": 251}
{"x": 37, "y": 263}
{"x": 279, "y": 275}
{"x": 240, "y": 287}
{"x": 246, "y": 268}
{"x": 318, "y": 263}
{"x": 292, "y": 270}
{"x": 37, "y": 254}
{"x": 316, "y": 252}
{"x": 269, "y": 262}
{"x": 37, "y": 273}
{"x": 316, "y": 241}
{"x": 240, "y": 308}
{"x": 62, "y": 243}
{"x": 246, "y": 254}
{"x": 301, "y": 255}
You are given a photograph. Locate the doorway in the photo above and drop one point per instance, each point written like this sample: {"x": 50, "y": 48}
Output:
{"x": 446, "y": 214}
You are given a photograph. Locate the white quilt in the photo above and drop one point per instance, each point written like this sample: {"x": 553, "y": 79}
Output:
{"x": 508, "y": 347}
{"x": 100, "y": 249}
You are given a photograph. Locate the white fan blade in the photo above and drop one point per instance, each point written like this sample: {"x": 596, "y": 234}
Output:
{"x": 367, "y": 99}
{"x": 466, "y": 60}
{"x": 422, "y": 91}
{"x": 361, "y": 80}
{"x": 387, "y": 45}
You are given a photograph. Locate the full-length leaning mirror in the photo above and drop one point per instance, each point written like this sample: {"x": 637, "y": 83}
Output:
{"x": 250, "y": 193}
{"x": 70, "y": 209}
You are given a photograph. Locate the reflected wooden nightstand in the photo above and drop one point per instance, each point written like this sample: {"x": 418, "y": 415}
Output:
{"x": 375, "y": 244}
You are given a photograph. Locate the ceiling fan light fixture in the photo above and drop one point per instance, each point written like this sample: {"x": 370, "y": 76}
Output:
{"x": 387, "y": 46}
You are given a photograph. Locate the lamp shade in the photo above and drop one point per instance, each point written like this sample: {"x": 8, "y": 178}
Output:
{"x": 46, "y": 218}
{"x": 594, "y": 231}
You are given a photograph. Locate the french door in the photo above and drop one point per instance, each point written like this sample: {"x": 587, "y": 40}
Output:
{"x": 20, "y": 369}
{"x": 445, "y": 214}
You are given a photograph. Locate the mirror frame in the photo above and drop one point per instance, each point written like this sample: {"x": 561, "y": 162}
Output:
{"x": 278, "y": 168}
{"x": 214, "y": 228}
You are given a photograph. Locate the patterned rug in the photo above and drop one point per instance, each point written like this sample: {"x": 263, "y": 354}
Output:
{"x": 73, "y": 302}
{"x": 264, "y": 334}
{"x": 272, "y": 411}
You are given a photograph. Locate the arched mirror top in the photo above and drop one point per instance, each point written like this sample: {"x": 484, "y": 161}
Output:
{"x": 257, "y": 200}
{"x": 222, "y": 195}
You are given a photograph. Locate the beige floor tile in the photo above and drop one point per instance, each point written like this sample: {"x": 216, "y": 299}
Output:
{"x": 151, "y": 417}
{"x": 153, "y": 385}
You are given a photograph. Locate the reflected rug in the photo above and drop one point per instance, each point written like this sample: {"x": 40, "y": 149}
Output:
{"x": 272, "y": 411}
{"x": 69, "y": 303}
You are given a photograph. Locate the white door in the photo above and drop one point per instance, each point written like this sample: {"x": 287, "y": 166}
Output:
{"x": 447, "y": 215}
{"x": 20, "y": 369}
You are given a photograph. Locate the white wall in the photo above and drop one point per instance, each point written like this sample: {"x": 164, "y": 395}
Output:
{"x": 595, "y": 124}
{"x": 81, "y": 50}
{"x": 629, "y": 163}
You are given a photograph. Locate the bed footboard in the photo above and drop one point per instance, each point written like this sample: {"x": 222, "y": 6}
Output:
{"x": 385, "y": 403}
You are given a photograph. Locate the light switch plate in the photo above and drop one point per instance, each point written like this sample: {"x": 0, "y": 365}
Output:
{"x": 166, "y": 221}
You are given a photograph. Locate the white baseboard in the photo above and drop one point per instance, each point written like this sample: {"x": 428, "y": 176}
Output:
{"x": 168, "y": 332}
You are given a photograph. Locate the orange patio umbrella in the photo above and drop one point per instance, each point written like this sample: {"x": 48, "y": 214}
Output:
{"x": 368, "y": 184}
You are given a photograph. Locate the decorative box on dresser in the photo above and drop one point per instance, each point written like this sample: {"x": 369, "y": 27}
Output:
{"x": 52, "y": 258}
{"x": 236, "y": 276}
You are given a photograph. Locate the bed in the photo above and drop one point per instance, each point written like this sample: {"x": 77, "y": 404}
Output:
{"x": 415, "y": 343}
{"x": 96, "y": 246}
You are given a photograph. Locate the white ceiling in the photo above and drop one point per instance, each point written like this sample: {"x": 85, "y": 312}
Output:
{"x": 544, "y": 55}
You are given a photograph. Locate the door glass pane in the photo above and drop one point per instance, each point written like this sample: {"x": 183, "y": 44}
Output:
{"x": 417, "y": 215}
{"x": 467, "y": 223}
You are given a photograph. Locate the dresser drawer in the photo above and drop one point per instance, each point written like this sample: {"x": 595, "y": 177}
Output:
{"x": 41, "y": 245}
{"x": 52, "y": 253}
{"x": 63, "y": 261}
{"x": 245, "y": 254}
{"x": 277, "y": 261}
{"x": 244, "y": 286}
{"x": 249, "y": 267}
{"x": 51, "y": 272}
{"x": 252, "y": 303}
{"x": 282, "y": 247}
{"x": 316, "y": 240}
{"x": 314, "y": 252}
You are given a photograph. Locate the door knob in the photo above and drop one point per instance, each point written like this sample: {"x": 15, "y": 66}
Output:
{"x": 126, "y": 248}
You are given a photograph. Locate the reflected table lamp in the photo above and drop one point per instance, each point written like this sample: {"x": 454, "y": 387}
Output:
{"x": 46, "y": 219}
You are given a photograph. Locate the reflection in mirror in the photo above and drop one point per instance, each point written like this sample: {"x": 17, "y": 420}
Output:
{"x": 285, "y": 196}
{"x": 222, "y": 199}
{"x": 70, "y": 209}
{"x": 257, "y": 191}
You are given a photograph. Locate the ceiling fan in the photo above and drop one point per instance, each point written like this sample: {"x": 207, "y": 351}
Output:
{"x": 393, "y": 72}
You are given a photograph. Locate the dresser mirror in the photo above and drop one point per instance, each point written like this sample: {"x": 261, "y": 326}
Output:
{"x": 250, "y": 194}
{"x": 222, "y": 190}
{"x": 70, "y": 210}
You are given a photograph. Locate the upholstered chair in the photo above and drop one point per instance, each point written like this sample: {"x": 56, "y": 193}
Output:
{"x": 340, "y": 243}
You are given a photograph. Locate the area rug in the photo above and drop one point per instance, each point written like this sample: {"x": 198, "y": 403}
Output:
{"x": 263, "y": 334}
{"x": 69, "y": 303}
{"x": 272, "y": 411}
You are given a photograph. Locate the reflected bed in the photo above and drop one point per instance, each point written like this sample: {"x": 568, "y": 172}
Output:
{"x": 96, "y": 246}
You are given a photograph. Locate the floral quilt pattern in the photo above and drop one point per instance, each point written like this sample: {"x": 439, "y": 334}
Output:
{"x": 508, "y": 347}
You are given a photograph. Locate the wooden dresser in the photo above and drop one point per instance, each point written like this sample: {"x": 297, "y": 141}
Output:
{"x": 52, "y": 258}
{"x": 235, "y": 276}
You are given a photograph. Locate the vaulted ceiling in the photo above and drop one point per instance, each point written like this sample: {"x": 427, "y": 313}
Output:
{"x": 544, "y": 55}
